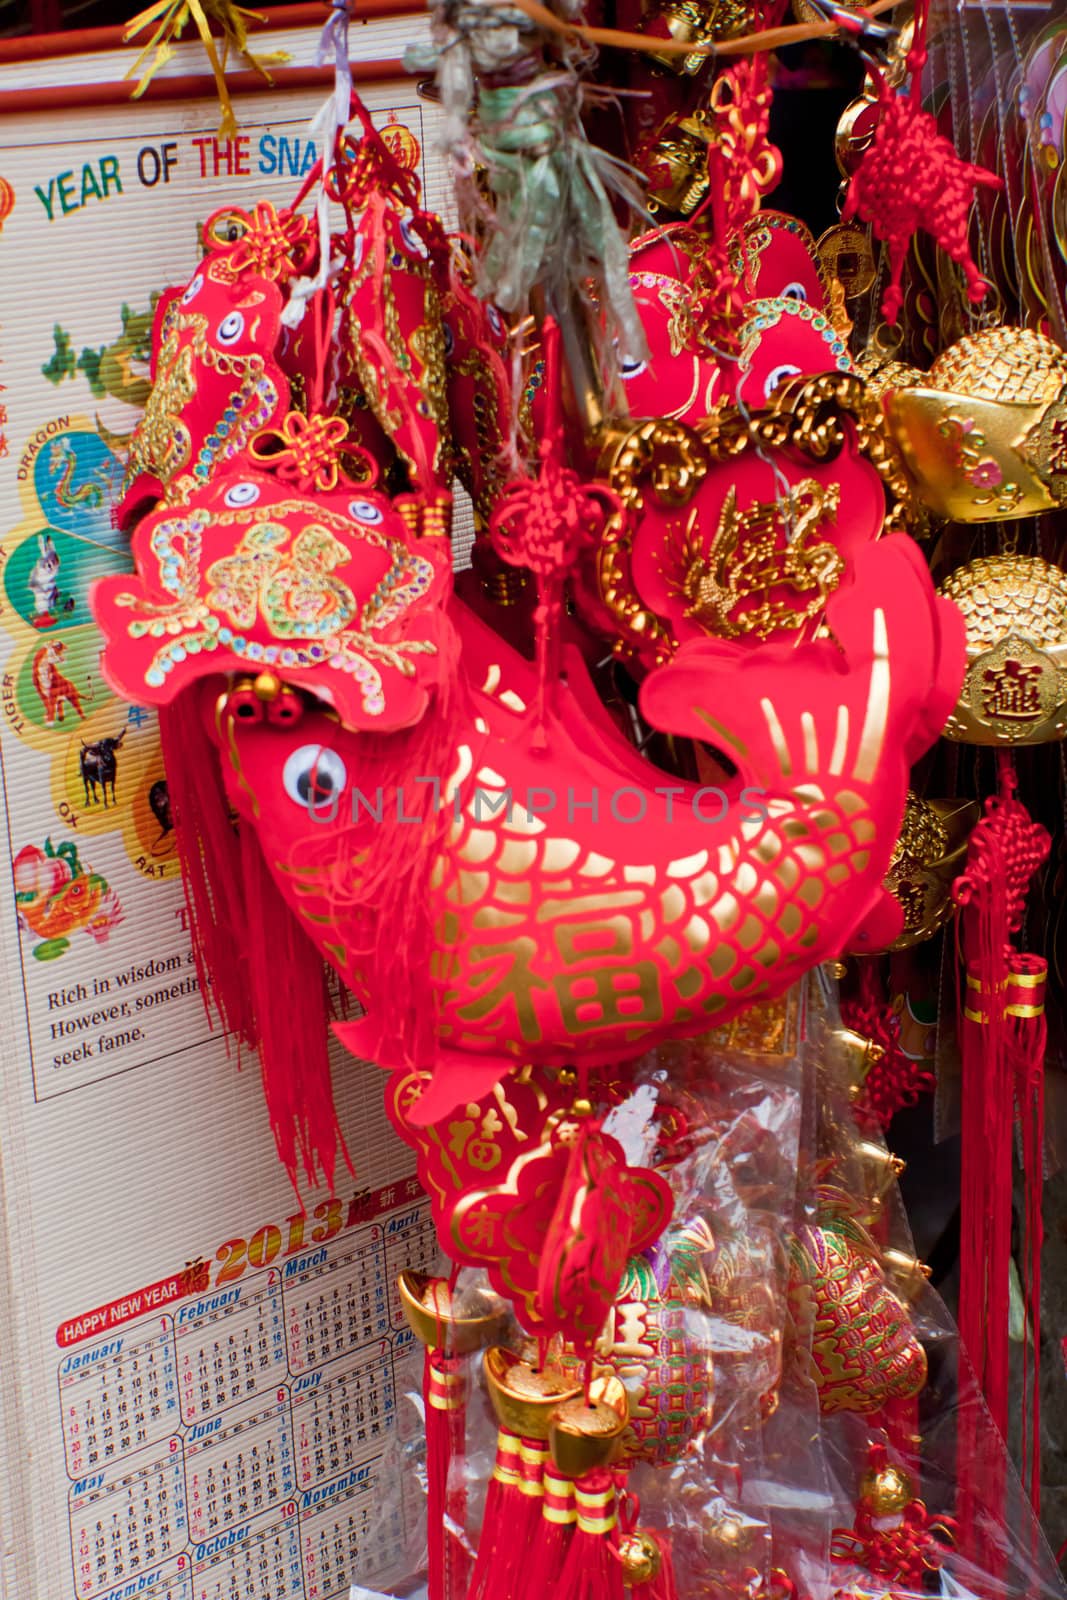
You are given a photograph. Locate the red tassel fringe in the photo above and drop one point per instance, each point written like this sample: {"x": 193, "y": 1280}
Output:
{"x": 592, "y": 1570}
{"x": 552, "y": 1540}
{"x": 512, "y": 1518}
{"x": 444, "y": 1390}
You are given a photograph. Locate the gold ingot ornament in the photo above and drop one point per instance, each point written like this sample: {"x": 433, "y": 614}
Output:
{"x": 984, "y": 437}
{"x": 1015, "y": 689}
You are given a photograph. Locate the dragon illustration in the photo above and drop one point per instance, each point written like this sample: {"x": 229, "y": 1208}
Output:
{"x": 62, "y": 465}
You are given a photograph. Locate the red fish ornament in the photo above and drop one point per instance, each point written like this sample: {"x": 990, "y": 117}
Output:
{"x": 553, "y": 928}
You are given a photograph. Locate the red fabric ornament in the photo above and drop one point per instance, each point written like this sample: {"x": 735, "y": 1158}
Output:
{"x": 391, "y": 329}
{"x": 894, "y": 1080}
{"x": 537, "y": 1195}
{"x": 910, "y": 177}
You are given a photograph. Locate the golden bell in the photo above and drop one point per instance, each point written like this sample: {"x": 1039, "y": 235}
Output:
{"x": 887, "y": 1491}
{"x": 727, "y": 1536}
{"x": 428, "y": 1304}
{"x": 586, "y": 1433}
{"x": 640, "y": 1558}
{"x": 908, "y": 1275}
{"x": 1015, "y": 688}
{"x": 925, "y": 863}
{"x": 677, "y": 166}
{"x": 880, "y": 1167}
{"x": 860, "y": 1055}
{"x": 523, "y": 1397}
{"x": 984, "y": 437}
{"x": 699, "y": 23}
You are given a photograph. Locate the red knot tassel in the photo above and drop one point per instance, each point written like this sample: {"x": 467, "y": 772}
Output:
{"x": 1002, "y": 1046}
{"x": 444, "y": 1390}
{"x": 593, "y": 1570}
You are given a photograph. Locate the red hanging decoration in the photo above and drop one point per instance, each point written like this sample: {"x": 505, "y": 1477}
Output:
{"x": 543, "y": 524}
{"x": 901, "y": 1546}
{"x": 1002, "y": 1046}
{"x": 912, "y": 178}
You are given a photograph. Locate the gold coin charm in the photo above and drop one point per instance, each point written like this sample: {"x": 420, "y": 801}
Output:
{"x": 846, "y": 253}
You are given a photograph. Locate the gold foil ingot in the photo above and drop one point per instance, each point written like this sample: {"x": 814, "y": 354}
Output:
{"x": 586, "y": 1433}
{"x": 1015, "y": 689}
{"x": 640, "y": 1558}
{"x": 926, "y": 861}
{"x": 525, "y": 1398}
{"x": 984, "y": 437}
{"x": 887, "y": 1491}
{"x": 427, "y": 1304}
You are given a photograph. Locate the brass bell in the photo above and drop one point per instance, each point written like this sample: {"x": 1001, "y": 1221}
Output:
{"x": 908, "y": 1275}
{"x": 677, "y": 166}
{"x": 926, "y": 861}
{"x": 699, "y": 23}
{"x": 860, "y": 1055}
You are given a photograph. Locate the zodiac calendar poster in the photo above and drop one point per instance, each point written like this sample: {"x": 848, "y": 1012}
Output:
{"x": 203, "y": 1386}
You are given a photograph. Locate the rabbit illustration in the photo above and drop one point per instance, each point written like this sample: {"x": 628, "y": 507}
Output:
{"x": 43, "y": 584}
